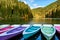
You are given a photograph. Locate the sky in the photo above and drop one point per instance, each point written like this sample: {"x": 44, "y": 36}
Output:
{"x": 38, "y": 3}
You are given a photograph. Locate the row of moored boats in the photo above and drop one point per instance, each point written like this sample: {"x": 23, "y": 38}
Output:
{"x": 48, "y": 30}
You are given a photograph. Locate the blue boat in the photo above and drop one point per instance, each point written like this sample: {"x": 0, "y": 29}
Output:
{"x": 30, "y": 31}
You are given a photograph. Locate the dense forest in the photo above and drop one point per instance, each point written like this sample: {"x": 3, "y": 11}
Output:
{"x": 14, "y": 11}
{"x": 50, "y": 11}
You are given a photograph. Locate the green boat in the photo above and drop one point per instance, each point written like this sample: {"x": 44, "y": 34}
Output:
{"x": 48, "y": 31}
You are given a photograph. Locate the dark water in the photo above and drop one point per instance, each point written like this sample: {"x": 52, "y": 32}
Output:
{"x": 46, "y": 20}
{"x": 32, "y": 20}
{"x": 37, "y": 36}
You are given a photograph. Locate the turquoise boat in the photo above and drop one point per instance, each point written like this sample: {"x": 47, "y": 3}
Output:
{"x": 30, "y": 31}
{"x": 48, "y": 31}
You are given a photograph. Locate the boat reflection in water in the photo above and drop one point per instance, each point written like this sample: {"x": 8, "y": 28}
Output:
{"x": 58, "y": 35}
{"x": 37, "y": 36}
{"x": 57, "y": 26}
{"x": 46, "y": 20}
{"x": 18, "y": 37}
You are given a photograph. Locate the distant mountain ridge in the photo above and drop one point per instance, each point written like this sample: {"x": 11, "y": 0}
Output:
{"x": 50, "y": 11}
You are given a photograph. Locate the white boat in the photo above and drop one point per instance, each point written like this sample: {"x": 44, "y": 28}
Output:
{"x": 4, "y": 25}
{"x": 26, "y": 25}
{"x": 30, "y": 31}
{"x": 48, "y": 31}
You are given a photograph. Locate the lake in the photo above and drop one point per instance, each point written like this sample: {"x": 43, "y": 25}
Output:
{"x": 32, "y": 21}
{"x": 43, "y": 21}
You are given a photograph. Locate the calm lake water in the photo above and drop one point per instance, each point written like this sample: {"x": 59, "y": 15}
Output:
{"x": 32, "y": 20}
{"x": 42, "y": 21}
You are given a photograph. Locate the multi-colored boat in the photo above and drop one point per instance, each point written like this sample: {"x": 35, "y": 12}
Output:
{"x": 2, "y": 26}
{"x": 57, "y": 26}
{"x": 30, "y": 31}
{"x": 12, "y": 32}
{"x": 5, "y": 28}
{"x": 48, "y": 31}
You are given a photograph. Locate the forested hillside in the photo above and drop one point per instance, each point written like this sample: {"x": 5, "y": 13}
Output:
{"x": 14, "y": 10}
{"x": 50, "y": 11}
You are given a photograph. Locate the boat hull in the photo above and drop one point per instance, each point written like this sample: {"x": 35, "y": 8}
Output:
{"x": 12, "y": 35}
{"x": 26, "y": 36}
{"x": 8, "y": 36}
{"x": 48, "y": 37}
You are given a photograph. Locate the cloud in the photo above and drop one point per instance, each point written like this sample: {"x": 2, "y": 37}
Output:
{"x": 36, "y": 5}
{"x": 31, "y": 0}
{"x": 20, "y": 0}
{"x": 25, "y": 2}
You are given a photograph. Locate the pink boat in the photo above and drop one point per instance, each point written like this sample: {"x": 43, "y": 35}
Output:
{"x": 16, "y": 30}
{"x": 2, "y": 30}
{"x": 57, "y": 26}
{"x": 5, "y": 29}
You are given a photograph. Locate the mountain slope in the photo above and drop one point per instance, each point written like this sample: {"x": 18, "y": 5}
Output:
{"x": 50, "y": 11}
{"x": 14, "y": 10}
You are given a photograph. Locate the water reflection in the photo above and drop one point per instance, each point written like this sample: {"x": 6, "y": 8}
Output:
{"x": 46, "y": 20}
{"x": 25, "y": 21}
{"x": 56, "y": 38}
{"x": 43, "y": 38}
{"x": 16, "y": 21}
{"x": 17, "y": 37}
{"x": 58, "y": 35}
{"x": 32, "y": 20}
{"x": 37, "y": 36}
